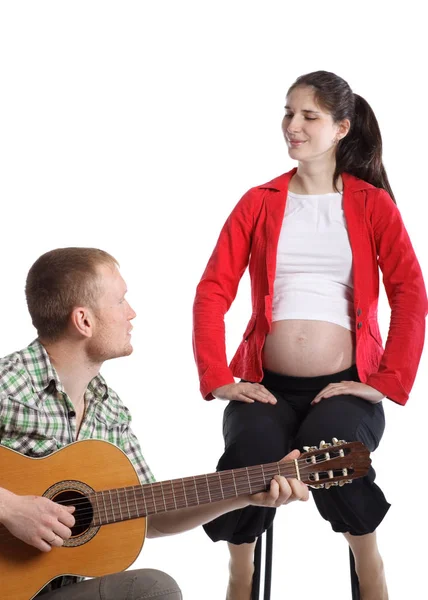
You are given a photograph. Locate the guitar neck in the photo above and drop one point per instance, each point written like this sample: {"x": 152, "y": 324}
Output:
{"x": 120, "y": 504}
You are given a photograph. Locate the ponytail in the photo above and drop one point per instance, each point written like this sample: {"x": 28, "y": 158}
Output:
{"x": 360, "y": 151}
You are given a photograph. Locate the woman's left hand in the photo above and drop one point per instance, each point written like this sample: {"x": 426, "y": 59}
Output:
{"x": 352, "y": 388}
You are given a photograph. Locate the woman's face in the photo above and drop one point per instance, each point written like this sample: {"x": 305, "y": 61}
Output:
{"x": 309, "y": 131}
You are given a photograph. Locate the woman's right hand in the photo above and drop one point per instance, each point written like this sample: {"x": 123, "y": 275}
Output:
{"x": 244, "y": 392}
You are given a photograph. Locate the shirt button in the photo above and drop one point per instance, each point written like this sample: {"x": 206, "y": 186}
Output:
{"x": 359, "y": 311}
{"x": 71, "y": 414}
{"x": 359, "y": 325}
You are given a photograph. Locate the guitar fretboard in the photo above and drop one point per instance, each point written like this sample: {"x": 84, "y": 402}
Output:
{"x": 120, "y": 504}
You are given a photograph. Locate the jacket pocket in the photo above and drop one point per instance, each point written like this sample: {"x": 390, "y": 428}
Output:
{"x": 374, "y": 331}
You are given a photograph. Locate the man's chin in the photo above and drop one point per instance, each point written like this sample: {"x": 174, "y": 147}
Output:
{"x": 125, "y": 352}
{"x": 102, "y": 357}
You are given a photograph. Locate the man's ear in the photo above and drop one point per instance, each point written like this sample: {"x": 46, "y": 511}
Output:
{"x": 82, "y": 321}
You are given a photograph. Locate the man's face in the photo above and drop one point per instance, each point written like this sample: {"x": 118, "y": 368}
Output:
{"x": 112, "y": 318}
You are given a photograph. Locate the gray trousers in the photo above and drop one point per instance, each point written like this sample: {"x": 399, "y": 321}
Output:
{"x": 140, "y": 584}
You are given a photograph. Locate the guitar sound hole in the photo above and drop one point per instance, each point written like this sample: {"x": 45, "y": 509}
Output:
{"x": 83, "y": 513}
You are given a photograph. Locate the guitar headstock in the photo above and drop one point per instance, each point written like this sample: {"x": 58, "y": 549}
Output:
{"x": 333, "y": 464}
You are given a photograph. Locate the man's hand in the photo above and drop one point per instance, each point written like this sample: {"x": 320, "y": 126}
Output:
{"x": 244, "y": 392}
{"x": 282, "y": 490}
{"x": 37, "y": 521}
{"x": 352, "y": 388}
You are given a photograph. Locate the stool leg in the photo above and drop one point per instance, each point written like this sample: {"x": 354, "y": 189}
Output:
{"x": 268, "y": 562}
{"x": 355, "y": 586}
{"x": 255, "y": 590}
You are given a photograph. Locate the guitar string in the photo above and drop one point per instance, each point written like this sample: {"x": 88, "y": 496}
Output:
{"x": 166, "y": 493}
{"x": 254, "y": 471}
{"x": 304, "y": 469}
{"x": 149, "y": 504}
{"x": 167, "y": 499}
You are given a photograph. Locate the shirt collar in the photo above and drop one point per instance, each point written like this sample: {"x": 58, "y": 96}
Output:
{"x": 44, "y": 375}
{"x": 280, "y": 184}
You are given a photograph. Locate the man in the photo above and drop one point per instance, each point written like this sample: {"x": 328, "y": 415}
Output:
{"x": 51, "y": 394}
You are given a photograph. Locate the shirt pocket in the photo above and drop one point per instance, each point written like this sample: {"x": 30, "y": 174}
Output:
{"x": 24, "y": 428}
{"x": 33, "y": 447}
{"x": 110, "y": 423}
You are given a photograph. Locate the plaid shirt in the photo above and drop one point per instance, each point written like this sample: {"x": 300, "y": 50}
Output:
{"x": 37, "y": 417}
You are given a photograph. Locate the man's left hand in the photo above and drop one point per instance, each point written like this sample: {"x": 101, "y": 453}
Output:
{"x": 282, "y": 490}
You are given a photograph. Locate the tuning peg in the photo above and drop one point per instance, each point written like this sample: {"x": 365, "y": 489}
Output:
{"x": 330, "y": 484}
{"x": 337, "y": 442}
{"x": 316, "y": 486}
{"x": 308, "y": 448}
{"x": 324, "y": 444}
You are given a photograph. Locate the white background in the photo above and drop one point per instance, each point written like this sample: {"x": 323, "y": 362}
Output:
{"x": 136, "y": 127}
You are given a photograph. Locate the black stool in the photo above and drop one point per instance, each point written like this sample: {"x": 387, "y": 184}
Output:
{"x": 255, "y": 592}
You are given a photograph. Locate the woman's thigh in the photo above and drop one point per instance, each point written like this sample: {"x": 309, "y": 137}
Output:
{"x": 344, "y": 417}
{"x": 257, "y": 433}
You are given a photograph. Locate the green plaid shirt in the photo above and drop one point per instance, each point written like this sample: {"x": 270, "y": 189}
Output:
{"x": 37, "y": 417}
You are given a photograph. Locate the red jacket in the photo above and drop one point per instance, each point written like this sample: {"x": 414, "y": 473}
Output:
{"x": 377, "y": 237}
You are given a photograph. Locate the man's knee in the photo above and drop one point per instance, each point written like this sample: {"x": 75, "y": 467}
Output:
{"x": 151, "y": 583}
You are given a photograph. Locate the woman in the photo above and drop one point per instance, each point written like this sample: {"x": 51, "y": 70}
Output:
{"x": 311, "y": 360}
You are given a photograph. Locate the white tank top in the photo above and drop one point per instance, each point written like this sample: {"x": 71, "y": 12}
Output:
{"x": 313, "y": 277}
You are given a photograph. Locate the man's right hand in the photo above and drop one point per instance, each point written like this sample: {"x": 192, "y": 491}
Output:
{"x": 36, "y": 521}
{"x": 244, "y": 392}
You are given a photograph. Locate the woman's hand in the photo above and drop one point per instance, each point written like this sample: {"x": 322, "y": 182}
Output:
{"x": 244, "y": 392}
{"x": 352, "y": 388}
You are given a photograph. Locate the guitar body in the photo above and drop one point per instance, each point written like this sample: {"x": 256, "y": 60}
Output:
{"x": 24, "y": 570}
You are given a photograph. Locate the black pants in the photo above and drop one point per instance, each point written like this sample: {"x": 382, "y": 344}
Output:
{"x": 261, "y": 433}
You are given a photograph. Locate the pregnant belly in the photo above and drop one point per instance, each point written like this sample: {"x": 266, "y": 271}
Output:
{"x": 308, "y": 348}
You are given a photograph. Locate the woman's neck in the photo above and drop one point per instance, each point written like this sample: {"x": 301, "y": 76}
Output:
{"x": 314, "y": 179}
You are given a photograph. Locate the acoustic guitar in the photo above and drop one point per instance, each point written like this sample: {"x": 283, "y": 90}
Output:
{"x": 110, "y": 521}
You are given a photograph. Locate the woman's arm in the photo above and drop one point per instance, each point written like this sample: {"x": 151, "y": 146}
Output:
{"x": 404, "y": 285}
{"x": 216, "y": 292}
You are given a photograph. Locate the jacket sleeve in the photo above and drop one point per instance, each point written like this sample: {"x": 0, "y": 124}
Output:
{"x": 404, "y": 285}
{"x": 216, "y": 292}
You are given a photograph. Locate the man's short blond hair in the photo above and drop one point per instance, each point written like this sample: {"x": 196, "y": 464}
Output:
{"x": 58, "y": 282}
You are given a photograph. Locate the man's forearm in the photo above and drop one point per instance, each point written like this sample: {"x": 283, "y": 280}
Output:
{"x": 184, "y": 519}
